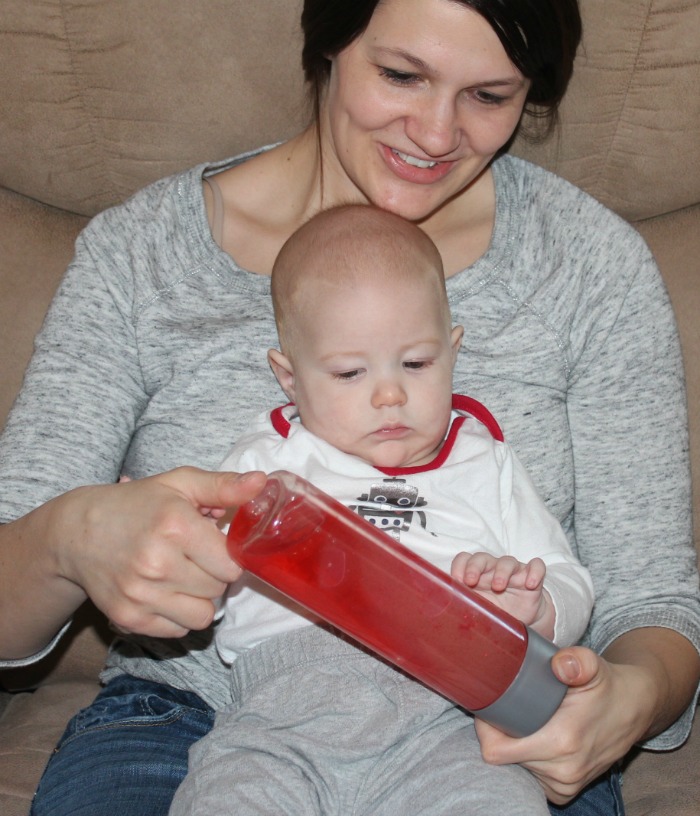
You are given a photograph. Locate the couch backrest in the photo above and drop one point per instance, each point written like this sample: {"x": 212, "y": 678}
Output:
{"x": 120, "y": 92}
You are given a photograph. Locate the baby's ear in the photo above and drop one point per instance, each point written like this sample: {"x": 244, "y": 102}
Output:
{"x": 456, "y": 341}
{"x": 282, "y": 369}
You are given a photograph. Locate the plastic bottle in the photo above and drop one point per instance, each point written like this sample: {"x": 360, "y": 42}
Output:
{"x": 316, "y": 551}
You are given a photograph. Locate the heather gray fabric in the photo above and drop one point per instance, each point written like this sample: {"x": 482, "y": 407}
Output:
{"x": 153, "y": 356}
{"x": 318, "y": 726}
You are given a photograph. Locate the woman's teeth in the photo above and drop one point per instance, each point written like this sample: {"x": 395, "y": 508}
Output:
{"x": 413, "y": 161}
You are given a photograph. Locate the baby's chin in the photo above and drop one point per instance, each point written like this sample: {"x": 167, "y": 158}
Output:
{"x": 389, "y": 456}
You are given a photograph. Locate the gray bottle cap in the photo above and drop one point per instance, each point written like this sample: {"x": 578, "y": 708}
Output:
{"x": 533, "y": 696}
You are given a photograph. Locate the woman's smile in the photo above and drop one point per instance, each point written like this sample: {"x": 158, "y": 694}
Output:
{"x": 413, "y": 169}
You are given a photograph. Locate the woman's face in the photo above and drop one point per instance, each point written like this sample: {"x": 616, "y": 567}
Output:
{"x": 417, "y": 106}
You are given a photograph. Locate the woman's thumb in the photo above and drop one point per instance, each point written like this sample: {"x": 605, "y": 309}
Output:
{"x": 575, "y": 666}
{"x": 238, "y": 488}
{"x": 216, "y": 489}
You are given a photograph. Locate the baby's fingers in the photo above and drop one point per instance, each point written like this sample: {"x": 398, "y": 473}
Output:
{"x": 534, "y": 574}
{"x": 470, "y": 567}
{"x": 506, "y": 567}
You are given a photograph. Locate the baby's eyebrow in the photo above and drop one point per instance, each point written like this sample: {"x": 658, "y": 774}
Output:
{"x": 351, "y": 359}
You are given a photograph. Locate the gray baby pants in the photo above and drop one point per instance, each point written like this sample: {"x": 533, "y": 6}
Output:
{"x": 320, "y": 726}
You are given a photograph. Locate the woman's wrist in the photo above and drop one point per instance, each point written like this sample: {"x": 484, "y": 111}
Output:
{"x": 69, "y": 527}
{"x": 37, "y": 597}
{"x": 661, "y": 670}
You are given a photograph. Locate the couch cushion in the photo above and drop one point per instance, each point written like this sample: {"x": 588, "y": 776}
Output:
{"x": 664, "y": 784}
{"x": 31, "y": 726}
{"x": 119, "y": 94}
{"x": 675, "y": 241}
{"x": 632, "y": 114}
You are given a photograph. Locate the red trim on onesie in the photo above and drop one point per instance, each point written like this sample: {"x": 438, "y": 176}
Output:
{"x": 462, "y": 403}
{"x": 438, "y": 461}
{"x": 466, "y": 405}
{"x": 280, "y": 422}
{"x": 480, "y": 412}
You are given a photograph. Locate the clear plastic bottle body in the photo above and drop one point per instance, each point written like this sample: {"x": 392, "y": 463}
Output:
{"x": 322, "y": 555}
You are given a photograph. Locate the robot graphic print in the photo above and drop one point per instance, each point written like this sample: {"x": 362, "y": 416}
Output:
{"x": 392, "y": 506}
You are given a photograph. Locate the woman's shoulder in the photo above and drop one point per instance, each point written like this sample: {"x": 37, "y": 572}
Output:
{"x": 545, "y": 209}
{"x": 145, "y": 218}
{"x": 156, "y": 237}
{"x": 174, "y": 200}
{"x": 553, "y": 198}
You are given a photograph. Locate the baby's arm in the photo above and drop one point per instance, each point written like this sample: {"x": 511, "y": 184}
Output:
{"x": 511, "y": 585}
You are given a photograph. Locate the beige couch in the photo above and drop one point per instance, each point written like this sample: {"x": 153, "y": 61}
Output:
{"x": 98, "y": 97}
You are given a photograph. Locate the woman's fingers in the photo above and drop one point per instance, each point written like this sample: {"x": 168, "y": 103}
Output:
{"x": 148, "y": 557}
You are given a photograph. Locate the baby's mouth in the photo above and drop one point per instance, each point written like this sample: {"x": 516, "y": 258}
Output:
{"x": 392, "y": 430}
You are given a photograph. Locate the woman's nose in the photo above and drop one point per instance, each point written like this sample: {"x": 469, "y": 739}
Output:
{"x": 434, "y": 127}
{"x": 388, "y": 393}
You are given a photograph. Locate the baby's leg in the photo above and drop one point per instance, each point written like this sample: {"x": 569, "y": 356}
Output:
{"x": 312, "y": 715}
{"x": 441, "y": 773}
{"x": 243, "y": 772}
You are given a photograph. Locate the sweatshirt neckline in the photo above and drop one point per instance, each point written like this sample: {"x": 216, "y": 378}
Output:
{"x": 464, "y": 283}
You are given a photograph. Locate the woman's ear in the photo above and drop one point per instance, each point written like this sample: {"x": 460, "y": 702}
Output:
{"x": 282, "y": 369}
{"x": 456, "y": 341}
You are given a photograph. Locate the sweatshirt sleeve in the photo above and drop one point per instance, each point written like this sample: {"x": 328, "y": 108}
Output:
{"x": 627, "y": 412}
{"x": 75, "y": 415}
{"x": 530, "y": 531}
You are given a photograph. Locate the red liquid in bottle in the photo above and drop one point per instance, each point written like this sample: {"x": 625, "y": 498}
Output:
{"x": 322, "y": 555}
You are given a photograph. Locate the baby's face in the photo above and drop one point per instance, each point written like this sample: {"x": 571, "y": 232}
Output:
{"x": 373, "y": 371}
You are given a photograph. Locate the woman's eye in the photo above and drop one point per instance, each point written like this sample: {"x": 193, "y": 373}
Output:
{"x": 398, "y": 77}
{"x": 488, "y": 98}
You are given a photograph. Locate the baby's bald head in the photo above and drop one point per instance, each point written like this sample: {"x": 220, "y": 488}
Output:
{"x": 353, "y": 246}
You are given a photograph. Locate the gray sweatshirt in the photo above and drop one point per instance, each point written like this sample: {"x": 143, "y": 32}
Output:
{"x": 153, "y": 355}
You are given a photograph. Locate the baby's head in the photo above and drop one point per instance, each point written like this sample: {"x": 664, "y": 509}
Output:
{"x": 367, "y": 345}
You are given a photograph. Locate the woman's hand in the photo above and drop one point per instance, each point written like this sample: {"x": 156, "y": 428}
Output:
{"x": 588, "y": 733}
{"x": 157, "y": 562}
{"x": 611, "y": 704}
{"x": 145, "y": 551}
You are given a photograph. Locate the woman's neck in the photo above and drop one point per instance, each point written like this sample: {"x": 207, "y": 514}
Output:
{"x": 462, "y": 229}
{"x": 265, "y": 199}
{"x": 272, "y": 194}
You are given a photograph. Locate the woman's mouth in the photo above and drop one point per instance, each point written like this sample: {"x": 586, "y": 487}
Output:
{"x": 414, "y": 169}
{"x": 413, "y": 161}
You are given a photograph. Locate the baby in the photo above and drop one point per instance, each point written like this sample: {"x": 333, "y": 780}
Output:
{"x": 366, "y": 355}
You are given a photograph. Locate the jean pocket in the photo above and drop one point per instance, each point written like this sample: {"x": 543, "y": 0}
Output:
{"x": 135, "y": 710}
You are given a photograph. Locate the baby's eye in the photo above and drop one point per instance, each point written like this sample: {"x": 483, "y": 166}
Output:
{"x": 416, "y": 365}
{"x": 398, "y": 77}
{"x": 346, "y": 375}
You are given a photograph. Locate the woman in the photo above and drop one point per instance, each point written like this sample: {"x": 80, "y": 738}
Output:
{"x": 153, "y": 356}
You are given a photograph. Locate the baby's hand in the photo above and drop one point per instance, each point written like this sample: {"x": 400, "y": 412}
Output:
{"x": 509, "y": 584}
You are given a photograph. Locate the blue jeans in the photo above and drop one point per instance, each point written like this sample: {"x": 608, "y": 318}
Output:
{"x": 126, "y": 754}
{"x": 601, "y": 798}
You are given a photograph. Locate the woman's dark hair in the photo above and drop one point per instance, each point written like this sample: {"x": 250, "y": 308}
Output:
{"x": 539, "y": 36}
